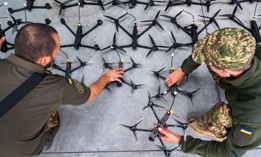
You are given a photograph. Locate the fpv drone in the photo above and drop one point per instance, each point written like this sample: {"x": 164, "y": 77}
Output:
{"x": 120, "y": 64}
{"x": 79, "y": 34}
{"x": 161, "y": 123}
{"x": 133, "y": 3}
{"x": 135, "y": 35}
{"x": 189, "y": 3}
{"x": 173, "y": 90}
{"x": 29, "y": 6}
{"x": 68, "y": 70}
{"x": 81, "y": 3}
{"x": 192, "y": 29}
{"x": 254, "y": 29}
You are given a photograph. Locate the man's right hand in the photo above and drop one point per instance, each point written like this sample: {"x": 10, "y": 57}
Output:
{"x": 2, "y": 40}
{"x": 175, "y": 77}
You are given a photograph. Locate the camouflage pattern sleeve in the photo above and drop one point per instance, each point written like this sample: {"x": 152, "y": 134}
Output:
{"x": 189, "y": 65}
{"x": 237, "y": 143}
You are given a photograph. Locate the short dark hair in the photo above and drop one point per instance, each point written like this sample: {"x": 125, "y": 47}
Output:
{"x": 34, "y": 40}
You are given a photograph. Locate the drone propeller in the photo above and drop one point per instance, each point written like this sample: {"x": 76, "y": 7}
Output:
{"x": 98, "y": 2}
{"x": 114, "y": 46}
{"x": 174, "y": 19}
{"x": 133, "y": 128}
{"x": 212, "y": 19}
{"x": 151, "y": 104}
{"x": 154, "y": 21}
{"x": 16, "y": 22}
{"x": 189, "y": 94}
{"x": 237, "y": 3}
{"x": 62, "y": 4}
{"x": 132, "y": 85}
{"x": 151, "y": 3}
{"x": 115, "y": 2}
{"x": 153, "y": 48}
{"x": 166, "y": 151}
{"x": 157, "y": 73}
{"x": 105, "y": 65}
{"x": 233, "y": 16}
{"x": 175, "y": 44}
{"x": 183, "y": 126}
{"x": 134, "y": 65}
{"x": 82, "y": 64}
{"x": 159, "y": 95}
{"x": 116, "y": 21}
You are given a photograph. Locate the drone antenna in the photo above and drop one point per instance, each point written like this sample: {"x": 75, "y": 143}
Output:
{"x": 118, "y": 55}
{"x": 5, "y": 3}
{"x": 25, "y": 12}
{"x": 255, "y": 10}
{"x": 172, "y": 67}
{"x": 79, "y": 14}
{"x": 133, "y": 17}
{"x": 64, "y": 53}
{"x": 188, "y": 13}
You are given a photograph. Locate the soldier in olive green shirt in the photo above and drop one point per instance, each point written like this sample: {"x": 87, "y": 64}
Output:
{"x": 22, "y": 128}
{"x": 233, "y": 59}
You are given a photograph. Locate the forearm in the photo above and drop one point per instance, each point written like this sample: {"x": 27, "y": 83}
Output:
{"x": 98, "y": 86}
{"x": 189, "y": 65}
{"x": 208, "y": 148}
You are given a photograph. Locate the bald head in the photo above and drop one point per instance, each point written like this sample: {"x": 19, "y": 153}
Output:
{"x": 35, "y": 40}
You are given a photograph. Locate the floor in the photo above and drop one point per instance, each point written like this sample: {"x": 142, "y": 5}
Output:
{"x": 94, "y": 129}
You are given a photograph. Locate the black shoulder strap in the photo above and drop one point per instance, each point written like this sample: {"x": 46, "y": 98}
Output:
{"x": 20, "y": 92}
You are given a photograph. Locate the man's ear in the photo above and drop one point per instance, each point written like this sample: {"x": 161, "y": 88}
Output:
{"x": 226, "y": 73}
{"x": 44, "y": 60}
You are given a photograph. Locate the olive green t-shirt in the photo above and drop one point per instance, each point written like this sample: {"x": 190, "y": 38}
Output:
{"x": 22, "y": 127}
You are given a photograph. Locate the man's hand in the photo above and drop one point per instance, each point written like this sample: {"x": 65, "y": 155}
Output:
{"x": 114, "y": 75}
{"x": 168, "y": 136}
{"x": 2, "y": 40}
{"x": 175, "y": 77}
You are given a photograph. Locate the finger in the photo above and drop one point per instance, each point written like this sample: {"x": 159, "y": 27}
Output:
{"x": 3, "y": 38}
{"x": 163, "y": 138}
{"x": 120, "y": 76}
{"x": 162, "y": 131}
{"x": 118, "y": 80}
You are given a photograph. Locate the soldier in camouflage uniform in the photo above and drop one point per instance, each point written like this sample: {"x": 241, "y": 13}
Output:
{"x": 233, "y": 58}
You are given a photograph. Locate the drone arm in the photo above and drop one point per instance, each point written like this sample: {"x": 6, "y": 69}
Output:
{"x": 156, "y": 116}
{"x": 145, "y": 47}
{"x": 125, "y": 31}
{"x": 69, "y": 45}
{"x": 145, "y": 130}
{"x": 69, "y": 29}
{"x": 17, "y": 10}
{"x": 94, "y": 27}
{"x": 145, "y": 31}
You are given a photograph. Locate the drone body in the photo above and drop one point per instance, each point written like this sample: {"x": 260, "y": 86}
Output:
{"x": 29, "y": 6}
{"x": 79, "y": 35}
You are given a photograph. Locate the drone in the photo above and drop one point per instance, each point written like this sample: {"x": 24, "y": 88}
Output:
{"x": 29, "y": 6}
{"x": 68, "y": 70}
{"x": 254, "y": 29}
{"x": 79, "y": 34}
{"x": 173, "y": 90}
{"x": 134, "y": 36}
{"x": 133, "y": 3}
{"x": 192, "y": 29}
{"x": 161, "y": 123}
{"x": 81, "y": 3}
{"x": 237, "y": 2}
{"x": 189, "y": 3}
{"x": 175, "y": 44}
{"x": 120, "y": 64}
{"x": 6, "y": 45}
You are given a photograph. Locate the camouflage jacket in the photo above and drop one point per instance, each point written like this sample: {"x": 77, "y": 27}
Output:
{"x": 244, "y": 97}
